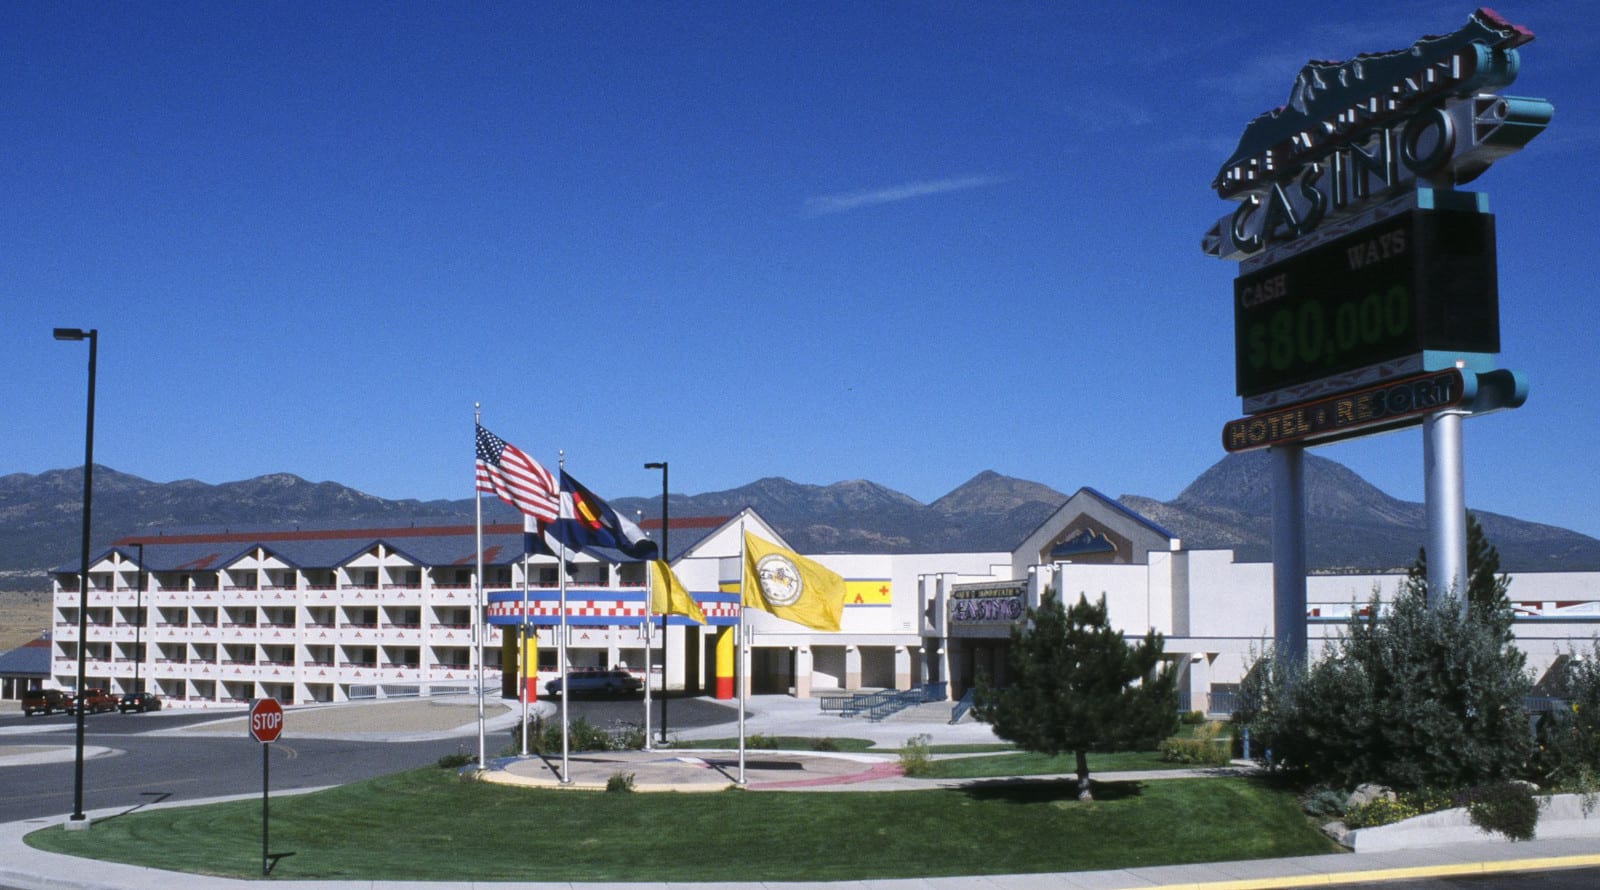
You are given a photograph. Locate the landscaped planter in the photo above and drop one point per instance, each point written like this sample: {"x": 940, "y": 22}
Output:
{"x": 1560, "y": 815}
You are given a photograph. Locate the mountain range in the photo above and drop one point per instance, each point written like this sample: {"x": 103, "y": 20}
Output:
{"x": 1351, "y": 525}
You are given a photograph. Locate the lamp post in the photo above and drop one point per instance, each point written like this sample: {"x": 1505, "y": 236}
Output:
{"x": 138, "y": 620}
{"x": 662, "y": 466}
{"x": 92, "y": 335}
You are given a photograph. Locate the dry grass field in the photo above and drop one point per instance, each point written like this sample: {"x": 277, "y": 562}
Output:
{"x": 23, "y": 616}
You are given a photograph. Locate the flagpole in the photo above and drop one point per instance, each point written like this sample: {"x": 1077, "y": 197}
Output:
{"x": 649, "y": 620}
{"x": 477, "y": 612}
{"x": 522, "y": 639}
{"x": 740, "y": 669}
{"x": 561, "y": 644}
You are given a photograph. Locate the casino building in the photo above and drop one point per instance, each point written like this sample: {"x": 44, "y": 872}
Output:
{"x": 323, "y": 615}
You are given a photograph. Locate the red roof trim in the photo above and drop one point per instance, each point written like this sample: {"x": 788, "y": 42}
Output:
{"x": 336, "y": 534}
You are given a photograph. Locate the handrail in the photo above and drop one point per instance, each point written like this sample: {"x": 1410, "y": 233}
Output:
{"x": 878, "y": 705}
{"x": 962, "y": 706}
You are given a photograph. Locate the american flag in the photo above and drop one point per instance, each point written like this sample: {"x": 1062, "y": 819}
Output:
{"x": 516, "y": 478}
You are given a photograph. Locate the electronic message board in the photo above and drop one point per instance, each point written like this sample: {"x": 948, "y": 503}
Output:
{"x": 1420, "y": 280}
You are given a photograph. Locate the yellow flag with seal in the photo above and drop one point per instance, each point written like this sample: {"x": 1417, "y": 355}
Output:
{"x": 668, "y": 596}
{"x": 790, "y": 586}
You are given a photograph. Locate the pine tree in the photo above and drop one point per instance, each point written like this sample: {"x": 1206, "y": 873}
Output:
{"x": 1410, "y": 697}
{"x": 1487, "y": 602}
{"x": 1075, "y": 685}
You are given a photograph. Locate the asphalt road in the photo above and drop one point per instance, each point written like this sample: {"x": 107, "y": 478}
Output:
{"x": 1567, "y": 879}
{"x": 149, "y": 765}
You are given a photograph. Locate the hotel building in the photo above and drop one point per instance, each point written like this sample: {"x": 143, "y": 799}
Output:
{"x": 324, "y": 615}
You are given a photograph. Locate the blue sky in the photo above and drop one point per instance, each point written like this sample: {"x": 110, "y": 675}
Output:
{"x": 904, "y": 242}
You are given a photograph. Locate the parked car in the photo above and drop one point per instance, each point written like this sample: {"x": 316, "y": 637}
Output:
{"x": 45, "y": 701}
{"x": 610, "y": 682}
{"x": 94, "y": 700}
{"x": 139, "y": 701}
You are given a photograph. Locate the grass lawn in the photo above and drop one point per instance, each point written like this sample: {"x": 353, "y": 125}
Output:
{"x": 426, "y": 825}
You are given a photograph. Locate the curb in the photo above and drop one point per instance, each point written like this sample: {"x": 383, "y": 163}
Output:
{"x": 1466, "y": 869}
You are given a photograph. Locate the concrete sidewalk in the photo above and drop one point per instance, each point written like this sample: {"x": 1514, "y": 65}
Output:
{"x": 23, "y": 867}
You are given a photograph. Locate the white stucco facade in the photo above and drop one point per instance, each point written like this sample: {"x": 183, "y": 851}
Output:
{"x": 322, "y": 616}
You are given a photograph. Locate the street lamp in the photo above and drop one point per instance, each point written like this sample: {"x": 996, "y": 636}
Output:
{"x": 662, "y": 466}
{"x": 92, "y": 335}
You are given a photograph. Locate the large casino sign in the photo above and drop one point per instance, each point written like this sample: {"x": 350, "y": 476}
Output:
{"x": 1361, "y": 265}
{"x": 1358, "y": 131}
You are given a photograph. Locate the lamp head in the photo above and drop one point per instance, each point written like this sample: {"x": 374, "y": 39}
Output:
{"x": 70, "y": 333}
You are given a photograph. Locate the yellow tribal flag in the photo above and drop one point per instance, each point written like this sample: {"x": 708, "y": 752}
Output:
{"x": 667, "y": 596}
{"x": 790, "y": 586}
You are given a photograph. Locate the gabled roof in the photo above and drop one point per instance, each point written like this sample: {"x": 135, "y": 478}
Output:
{"x": 1127, "y": 511}
{"x": 1113, "y": 503}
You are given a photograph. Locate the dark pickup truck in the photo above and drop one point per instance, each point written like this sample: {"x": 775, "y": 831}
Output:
{"x": 45, "y": 701}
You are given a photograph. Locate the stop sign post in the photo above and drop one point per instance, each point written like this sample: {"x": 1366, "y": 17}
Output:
{"x": 266, "y": 724}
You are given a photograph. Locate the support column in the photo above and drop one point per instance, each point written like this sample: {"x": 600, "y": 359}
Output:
{"x": 1446, "y": 495}
{"x": 936, "y": 665}
{"x": 724, "y": 667}
{"x": 1200, "y": 681}
{"x": 530, "y": 660}
{"x": 852, "y": 667}
{"x": 1289, "y": 552}
{"x": 693, "y": 656}
{"x": 508, "y": 665}
{"x": 802, "y": 672}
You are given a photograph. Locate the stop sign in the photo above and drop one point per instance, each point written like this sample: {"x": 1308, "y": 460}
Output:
{"x": 266, "y": 720}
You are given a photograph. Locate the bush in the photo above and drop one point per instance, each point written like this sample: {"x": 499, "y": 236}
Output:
{"x": 1192, "y": 718}
{"x": 620, "y": 783}
{"x": 626, "y": 737}
{"x": 1378, "y": 811}
{"x": 456, "y": 760}
{"x": 757, "y": 740}
{"x": 1423, "y": 697}
{"x": 1324, "y": 804}
{"x": 1569, "y": 738}
{"x": 824, "y": 744}
{"x": 1430, "y": 800}
{"x": 1583, "y": 781}
{"x": 1204, "y": 748}
{"x": 1507, "y": 807}
{"x": 915, "y": 759}
{"x": 544, "y": 738}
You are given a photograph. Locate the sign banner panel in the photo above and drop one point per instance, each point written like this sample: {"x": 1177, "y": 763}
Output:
{"x": 1396, "y": 403}
{"x": 996, "y": 604}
